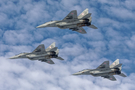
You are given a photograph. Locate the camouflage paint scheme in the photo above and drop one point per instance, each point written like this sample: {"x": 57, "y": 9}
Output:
{"x": 104, "y": 70}
{"x": 41, "y": 54}
{"x": 72, "y": 22}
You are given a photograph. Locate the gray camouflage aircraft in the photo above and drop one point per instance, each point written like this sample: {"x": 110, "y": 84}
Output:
{"x": 104, "y": 70}
{"x": 72, "y": 22}
{"x": 41, "y": 54}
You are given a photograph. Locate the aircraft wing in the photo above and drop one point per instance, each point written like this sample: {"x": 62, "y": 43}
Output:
{"x": 79, "y": 29}
{"x": 105, "y": 64}
{"x": 71, "y": 15}
{"x": 40, "y": 48}
{"x": 110, "y": 77}
{"x": 47, "y": 61}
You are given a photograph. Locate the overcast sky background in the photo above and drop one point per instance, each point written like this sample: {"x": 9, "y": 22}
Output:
{"x": 114, "y": 39}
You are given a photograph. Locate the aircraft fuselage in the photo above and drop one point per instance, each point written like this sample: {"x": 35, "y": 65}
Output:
{"x": 105, "y": 72}
{"x": 73, "y": 23}
{"x": 47, "y": 55}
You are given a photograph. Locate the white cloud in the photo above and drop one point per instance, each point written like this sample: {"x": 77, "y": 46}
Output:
{"x": 18, "y": 34}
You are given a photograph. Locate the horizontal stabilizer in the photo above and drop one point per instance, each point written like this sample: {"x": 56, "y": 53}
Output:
{"x": 92, "y": 26}
{"x": 59, "y": 58}
{"x": 123, "y": 75}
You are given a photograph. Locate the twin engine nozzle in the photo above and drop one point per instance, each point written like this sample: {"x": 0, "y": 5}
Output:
{"x": 117, "y": 71}
{"x": 87, "y": 22}
{"x": 51, "y": 53}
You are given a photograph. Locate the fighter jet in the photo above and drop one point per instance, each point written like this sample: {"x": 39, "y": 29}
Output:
{"x": 73, "y": 22}
{"x": 41, "y": 54}
{"x": 104, "y": 70}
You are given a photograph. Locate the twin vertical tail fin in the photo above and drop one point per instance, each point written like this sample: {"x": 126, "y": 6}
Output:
{"x": 57, "y": 51}
{"x": 116, "y": 64}
{"x": 53, "y": 48}
{"x": 85, "y": 12}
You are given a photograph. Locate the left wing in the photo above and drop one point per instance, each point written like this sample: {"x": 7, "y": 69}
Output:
{"x": 40, "y": 48}
{"x": 80, "y": 30}
{"x": 47, "y": 61}
{"x": 110, "y": 77}
{"x": 105, "y": 64}
{"x": 71, "y": 15}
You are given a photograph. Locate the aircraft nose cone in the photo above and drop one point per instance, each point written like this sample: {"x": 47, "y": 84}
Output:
{"x": 14, "y": 57}
{"x": 41, "y": 26}
{"x": 78, "y": 73}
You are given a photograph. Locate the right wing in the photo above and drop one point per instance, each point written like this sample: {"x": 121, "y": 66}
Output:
{"x": 40, "y": 48}
{"x": 110, "y": 77}
{"x": 47, "y": 61}
{"x": 80, "y": 30}
{"x": 105, "y": 64}
{"x": 71, "y": 15}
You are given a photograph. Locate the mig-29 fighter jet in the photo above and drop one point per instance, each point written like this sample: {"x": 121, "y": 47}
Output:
{"x": 72, "y": 21}
{"x": 104, "y": 70}
{"x": 41, "y": 54}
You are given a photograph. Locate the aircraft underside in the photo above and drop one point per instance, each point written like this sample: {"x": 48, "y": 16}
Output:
{"x": 72, "y": 26}
{"x": 43, "y": 57}
{"x": 106, "y": 73}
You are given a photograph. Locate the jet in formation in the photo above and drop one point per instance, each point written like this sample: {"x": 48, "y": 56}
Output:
{"x": 104, "y": 70}
{"x": 41, "y": 54}
{"x": 73, "y": 22}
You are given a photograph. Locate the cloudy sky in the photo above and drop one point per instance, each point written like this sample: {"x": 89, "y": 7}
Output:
{"x": 114, "y": 38}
